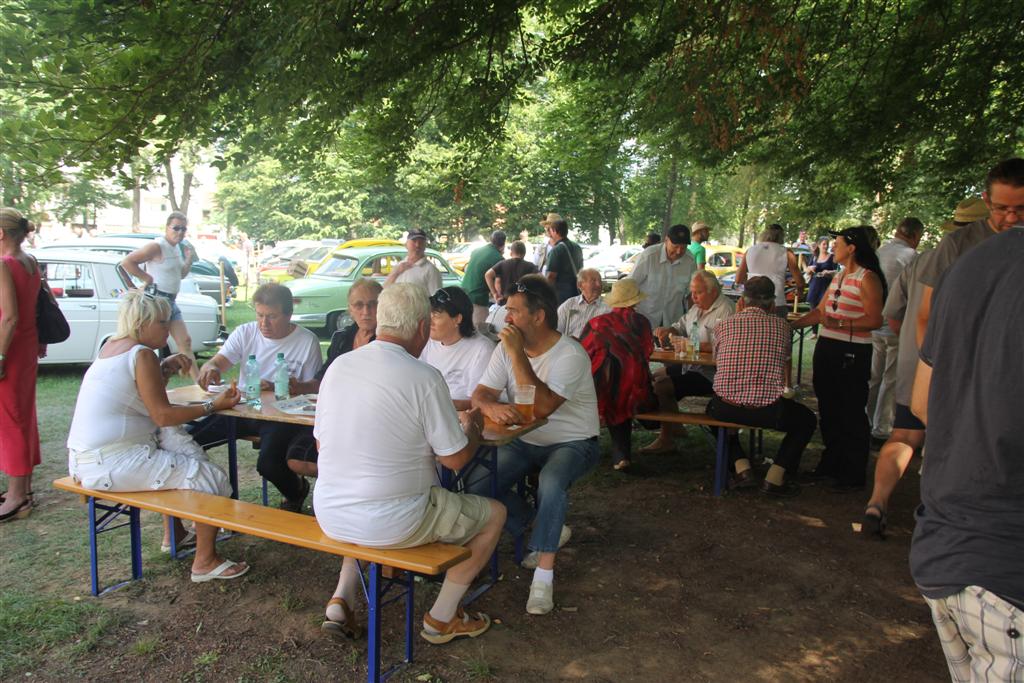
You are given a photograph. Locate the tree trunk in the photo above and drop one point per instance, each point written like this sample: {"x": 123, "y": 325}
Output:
{"x": 137, "y": 204}
{"x": 170, "y": 185}
{"x": 186, "y": 192}
{"x": 673, "y": 177}
{"x": 743, "y": 216}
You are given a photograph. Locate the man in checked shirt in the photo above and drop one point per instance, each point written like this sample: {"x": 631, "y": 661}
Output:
{"x": 752, "y": 350}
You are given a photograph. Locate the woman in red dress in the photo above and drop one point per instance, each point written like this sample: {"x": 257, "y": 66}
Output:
{"x": 19, "y": 360}
{"x": 619, "y": 345}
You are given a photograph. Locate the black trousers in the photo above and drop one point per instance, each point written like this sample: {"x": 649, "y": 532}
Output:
{"x": 785, "y": 415}
{"x": 621, "y": 435}
{"x": 841, "y": 374}
{"x": 688, "y": 383}
{"x": 272, "y": 463}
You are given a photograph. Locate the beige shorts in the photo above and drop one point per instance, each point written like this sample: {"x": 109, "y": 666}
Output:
{"x": 453, "y": 518}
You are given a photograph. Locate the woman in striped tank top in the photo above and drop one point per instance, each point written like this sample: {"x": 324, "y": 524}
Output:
{"x": 850, "y": 309}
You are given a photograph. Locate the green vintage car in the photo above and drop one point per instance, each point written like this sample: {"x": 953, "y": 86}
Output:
{"x": 321, "y": 299}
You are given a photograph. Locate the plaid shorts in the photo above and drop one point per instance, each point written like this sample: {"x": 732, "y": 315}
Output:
{"x": 981, "y": 636}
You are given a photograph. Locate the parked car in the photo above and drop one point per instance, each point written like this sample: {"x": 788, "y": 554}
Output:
{"x": 352, "y": 244}
{"x": 321, "y": 300}
{"x": 283, "y": 270}
{"x": 723, "y": 259}
{"x": 459, "y": 255}
{"x": 203, "y": 277}
{"x": 608, "y": 259}
{"x": 88, "y": 286}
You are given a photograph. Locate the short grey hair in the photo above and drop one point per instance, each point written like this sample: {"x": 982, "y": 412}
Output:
{"x": 137, "y": 310}
{"x": 401, "y": 308}
{"x": 367, "y": 283}
{"x": 588, "y": 272}
{"x": 708, "y": 278}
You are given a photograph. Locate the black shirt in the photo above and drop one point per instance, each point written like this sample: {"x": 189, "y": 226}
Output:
{"x": 342, "y": 341}
{"x": 970, "y": 524}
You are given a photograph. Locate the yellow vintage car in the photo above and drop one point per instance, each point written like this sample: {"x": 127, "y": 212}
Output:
{"x": 308, "y": 261}
{"x": 723, "y": 259}
{"x": 352, "y": 244}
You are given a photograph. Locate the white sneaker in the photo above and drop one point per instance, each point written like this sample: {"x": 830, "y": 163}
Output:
{"x": 530, "y": 561}
{"x": 542, "y": 598}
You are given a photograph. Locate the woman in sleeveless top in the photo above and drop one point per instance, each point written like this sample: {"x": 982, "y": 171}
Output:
{"x": 849, "y": 311}
{"x": 19, "y": 361}
{"x": 126, "y": 436}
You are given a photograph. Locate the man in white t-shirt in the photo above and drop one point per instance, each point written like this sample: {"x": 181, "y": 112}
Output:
{"x": 273, "y": 332}
{"x": 533, "y": 352}
{"x": 382, "y": 419}
{"x": 416, "y": 268}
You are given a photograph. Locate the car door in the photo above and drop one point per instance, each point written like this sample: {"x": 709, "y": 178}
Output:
{"x": 74, "y": 286}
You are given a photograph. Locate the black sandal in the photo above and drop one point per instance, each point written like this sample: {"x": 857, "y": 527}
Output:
{"x": 874, "y": 526}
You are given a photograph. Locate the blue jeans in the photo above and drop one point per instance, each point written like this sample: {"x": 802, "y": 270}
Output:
{"x": 560, "y": 465}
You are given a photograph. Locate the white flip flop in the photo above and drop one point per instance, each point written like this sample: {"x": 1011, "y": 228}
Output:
{"x": 186, "y": 543}
{"x": 218, "y": 573}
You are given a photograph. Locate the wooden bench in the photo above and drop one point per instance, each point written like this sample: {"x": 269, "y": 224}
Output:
{"x": 721, "y": 445}
{"x": 277, "y": 525}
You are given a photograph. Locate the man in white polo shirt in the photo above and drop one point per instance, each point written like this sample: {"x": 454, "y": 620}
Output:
{"x": 381, "y": 419}
{"x": 271, "y": 333}
{"x": 416, "y": 268}
{"x": 533, "y": 352}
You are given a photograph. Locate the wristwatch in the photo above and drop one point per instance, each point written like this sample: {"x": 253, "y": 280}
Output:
{"x": 207, "y": 407}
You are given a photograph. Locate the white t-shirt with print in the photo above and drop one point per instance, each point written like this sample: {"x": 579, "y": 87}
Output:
{"x": 422, "y": 273}
{"x": 381, "y": 417}
{"x": 301, "y": 351}
{"x": 462, "y": 364}
{"x": 565, "y": 369}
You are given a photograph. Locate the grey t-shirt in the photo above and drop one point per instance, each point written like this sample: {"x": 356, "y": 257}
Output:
{"x": 970, "y": 524}
{"x": 953, "y": 246}
{"x": 902, "y": 304}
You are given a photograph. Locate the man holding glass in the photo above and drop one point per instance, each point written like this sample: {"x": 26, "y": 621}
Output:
{"x": 534, "y": 354}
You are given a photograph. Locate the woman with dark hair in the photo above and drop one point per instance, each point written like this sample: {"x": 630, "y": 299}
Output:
{"x": 20, "y": 352}
{"x": 849, "y": 311}
{"x": 820, "y": 271}
{"x": 454, "y": 347}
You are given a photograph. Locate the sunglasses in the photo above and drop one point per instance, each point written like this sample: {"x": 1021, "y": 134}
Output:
{"x": 179, "y": 228}
{"x": 440, "y": 298}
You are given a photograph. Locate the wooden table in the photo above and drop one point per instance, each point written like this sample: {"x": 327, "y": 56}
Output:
{"x": 669, "y": 358}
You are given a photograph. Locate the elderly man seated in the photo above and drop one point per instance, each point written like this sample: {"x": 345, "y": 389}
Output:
{"x": 270, "y": 334}
{"x": 675, "y": 382}
{"x": 533, "y": 353}
{"x": 381, "y": 420}
{"x": 752, "y": 351}
{"x": 576, "y": 312}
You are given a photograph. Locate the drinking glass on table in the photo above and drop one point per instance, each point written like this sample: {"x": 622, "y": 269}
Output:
{"x": 524, "y": 395}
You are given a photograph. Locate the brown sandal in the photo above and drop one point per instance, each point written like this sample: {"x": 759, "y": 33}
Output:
{"x": 338, "y": 629}
{"x": 461, "y": 625}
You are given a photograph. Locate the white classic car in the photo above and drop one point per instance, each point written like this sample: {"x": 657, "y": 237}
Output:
{"x": 88, "y": 286}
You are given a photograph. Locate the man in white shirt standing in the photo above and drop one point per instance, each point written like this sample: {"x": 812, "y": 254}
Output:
{"x": 663, "y": 272}
{"x": 893, "y": 256}
{"x": 416, "y": 268}
{"x": 273, "y": 332}
{"x": 575, "y": 313}
{"x": 381, "y": 420}
{"x": 532, "y": 352}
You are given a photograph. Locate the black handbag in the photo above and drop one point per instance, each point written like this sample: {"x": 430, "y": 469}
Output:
{"x": 51, "y": 324}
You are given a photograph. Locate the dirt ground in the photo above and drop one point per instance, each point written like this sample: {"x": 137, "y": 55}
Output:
{"x": 660, "y": 582}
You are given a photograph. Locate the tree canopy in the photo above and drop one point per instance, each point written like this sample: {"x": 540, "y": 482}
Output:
{"x": 622, "y": 114}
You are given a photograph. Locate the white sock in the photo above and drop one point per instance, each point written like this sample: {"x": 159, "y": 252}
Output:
{"x": 347, "y": 589}
{"x": 447, "y": 603}
{"x": 544, "y": 575}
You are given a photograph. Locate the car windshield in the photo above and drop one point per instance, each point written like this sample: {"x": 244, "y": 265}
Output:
{"x": 339, "y": 266}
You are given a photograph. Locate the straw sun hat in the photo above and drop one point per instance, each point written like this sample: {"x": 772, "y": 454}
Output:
{"x": 625, "y": 293}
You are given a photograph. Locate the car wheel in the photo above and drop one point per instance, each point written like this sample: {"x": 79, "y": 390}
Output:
{"x": 332, "y": 323}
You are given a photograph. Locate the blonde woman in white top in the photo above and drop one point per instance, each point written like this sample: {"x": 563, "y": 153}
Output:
{"x": 167, "y": 262}
{"x": 124, "y": 434}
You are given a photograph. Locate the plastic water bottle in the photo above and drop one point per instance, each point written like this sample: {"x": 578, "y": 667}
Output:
{"x": 252, "y": 382}
{"x": 695, "y": 340}
{"x": 280, "y": 378}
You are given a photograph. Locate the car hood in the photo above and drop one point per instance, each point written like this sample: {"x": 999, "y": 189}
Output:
{"x": 313, "y": 285}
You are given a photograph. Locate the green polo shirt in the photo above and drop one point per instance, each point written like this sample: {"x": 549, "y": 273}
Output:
{"x": 482, "y": 260}
{"x": 698, "y": 252}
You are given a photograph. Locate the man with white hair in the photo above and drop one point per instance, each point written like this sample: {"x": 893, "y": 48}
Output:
{"x": 381, "y": 420}
{"x": 673, "y": 383}
{"x": 416, "y": 268}
{"x": 575, "y": 313}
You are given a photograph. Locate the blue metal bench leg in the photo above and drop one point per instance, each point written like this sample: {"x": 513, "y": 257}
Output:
{"x": 721, "y": 460}
{"x": 233, "y": 456}
{"x": 265, "y": 498}
{"x": 110, "y": 514}
{"x": 94, "y": 573}
{"x": 373, "y": 672}
{"x": 135, "y": 530}
{"x": 410, "y": 616}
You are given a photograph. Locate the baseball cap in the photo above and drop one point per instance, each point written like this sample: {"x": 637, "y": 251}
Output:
{"x": 678, "y": 234}
{"x": 858, "y": 236}
{"x": 416, "y": 233}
